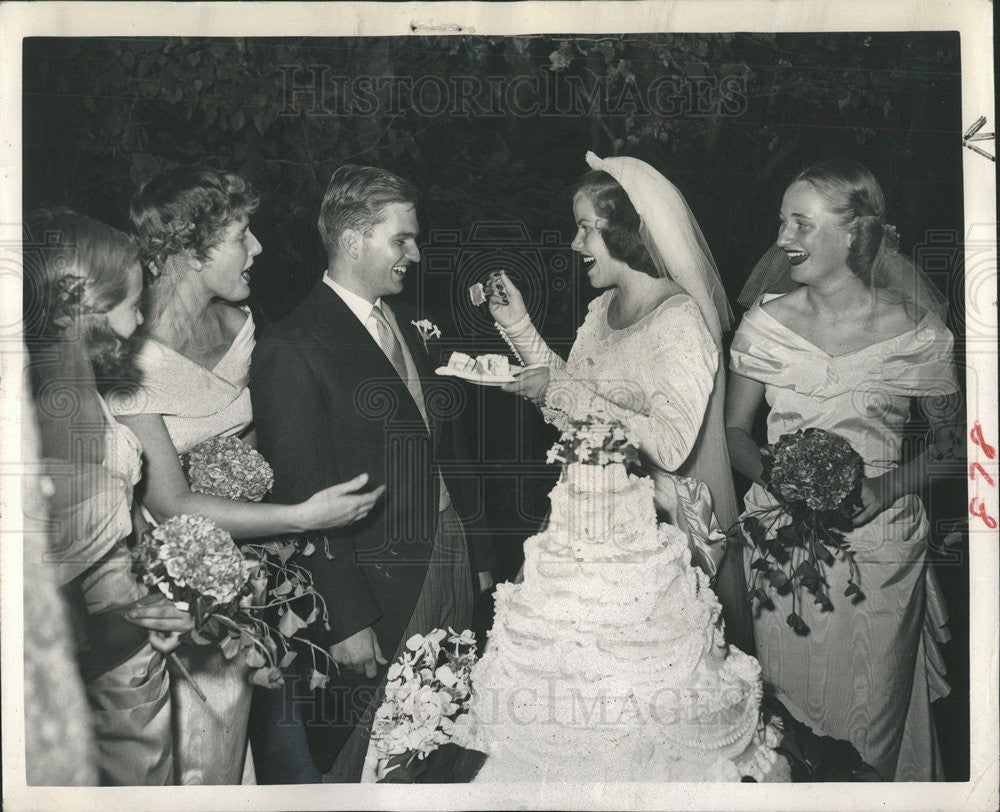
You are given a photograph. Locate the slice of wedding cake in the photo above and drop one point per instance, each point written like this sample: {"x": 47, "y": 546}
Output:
{"x": 495, "y": 365}
{"x": 608, "y": 662}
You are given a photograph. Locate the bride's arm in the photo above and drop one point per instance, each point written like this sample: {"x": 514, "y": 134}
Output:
{"x": 661, "y": 397}
{"x": 507, "y": 307}
{"x": 165, "y": 493}
{"x": 529, "y": 344}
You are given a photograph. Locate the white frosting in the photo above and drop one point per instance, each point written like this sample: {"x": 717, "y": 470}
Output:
{"x": 607, "y": 663}
{"x": 496, "y": 365}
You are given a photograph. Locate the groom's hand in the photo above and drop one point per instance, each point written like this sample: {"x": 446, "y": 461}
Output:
{"x": 360, "y": 652}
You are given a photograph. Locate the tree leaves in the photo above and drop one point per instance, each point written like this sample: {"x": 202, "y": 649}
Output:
{"x": 184, "y": 100}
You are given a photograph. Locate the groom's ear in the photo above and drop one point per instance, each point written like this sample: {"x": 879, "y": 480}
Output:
{"x": 350, "y": 242}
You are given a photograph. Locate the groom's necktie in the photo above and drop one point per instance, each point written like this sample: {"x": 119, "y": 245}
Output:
{"x": 389, "y": 343}
{"x": 394, "y": 352}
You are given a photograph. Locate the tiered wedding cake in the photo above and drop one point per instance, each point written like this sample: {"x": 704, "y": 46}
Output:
{"x": 608, "y": 663}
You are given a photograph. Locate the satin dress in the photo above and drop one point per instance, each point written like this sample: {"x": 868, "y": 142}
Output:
{"x": 129, "y": 703}
{"x": 210, "y": 739}
{"x": 867, "y": 671}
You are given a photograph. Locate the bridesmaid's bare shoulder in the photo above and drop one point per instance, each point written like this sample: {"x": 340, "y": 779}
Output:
{"x": 231, "y": 316}
{"x": 789, "y": 305}
{"x": 890, "y": 318}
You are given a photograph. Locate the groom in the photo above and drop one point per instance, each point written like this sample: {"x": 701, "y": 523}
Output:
{"x": 342, "y": 386}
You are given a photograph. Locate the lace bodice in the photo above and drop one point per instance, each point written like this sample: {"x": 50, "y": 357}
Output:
{"x": 655, "y": 376}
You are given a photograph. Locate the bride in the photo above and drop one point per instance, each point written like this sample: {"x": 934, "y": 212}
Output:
{"x": 648, "y": 354}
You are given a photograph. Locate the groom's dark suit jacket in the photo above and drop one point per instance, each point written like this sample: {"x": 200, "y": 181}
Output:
{"x": 328, "y": 405}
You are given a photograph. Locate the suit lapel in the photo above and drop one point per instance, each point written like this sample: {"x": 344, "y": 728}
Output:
{"x": 338, "y": 331}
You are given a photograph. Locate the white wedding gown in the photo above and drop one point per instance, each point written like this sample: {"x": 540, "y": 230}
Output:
{"x": 656, "y": 377}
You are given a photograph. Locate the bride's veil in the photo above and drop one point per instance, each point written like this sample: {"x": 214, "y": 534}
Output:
{"x": 671, "y": 234}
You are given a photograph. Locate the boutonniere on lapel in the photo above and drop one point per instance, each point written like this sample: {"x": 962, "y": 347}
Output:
{"x": 427, "y": 330}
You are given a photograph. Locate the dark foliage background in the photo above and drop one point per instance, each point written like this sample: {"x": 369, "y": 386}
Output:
{"x": 737, "y": 115}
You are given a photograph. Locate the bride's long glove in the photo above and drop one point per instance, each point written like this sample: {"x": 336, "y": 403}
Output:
{"x": 507, "y": 308}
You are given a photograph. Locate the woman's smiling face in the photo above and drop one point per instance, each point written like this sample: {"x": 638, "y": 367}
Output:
{"x": 812, "y": 235}
{"x": 602, "y": 268}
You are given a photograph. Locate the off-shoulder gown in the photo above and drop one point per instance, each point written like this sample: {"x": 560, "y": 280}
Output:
{"x": 867, "y": 671}
{"x": 197, "y": 404}
{"x": 130, "y": 702}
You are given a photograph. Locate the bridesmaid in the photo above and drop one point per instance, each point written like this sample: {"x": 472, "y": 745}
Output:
{"x": 847, "y": 351}
{"x": 81, "y": 305}
{"x": 193, "y": 225}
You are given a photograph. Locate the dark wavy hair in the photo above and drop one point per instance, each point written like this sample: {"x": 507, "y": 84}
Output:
{"x": 76, "y": 269}
{"x": 188, "y": 208}
{"x": 355, "y": 199}
{"x": 854, "y": 194}
{"x": 621, "y": 234}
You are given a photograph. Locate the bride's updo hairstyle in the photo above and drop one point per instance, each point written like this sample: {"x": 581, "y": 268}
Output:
{"x": 621, "y": 234}
{"x": 188, "y": 208}
{"x": 853, "y": 193}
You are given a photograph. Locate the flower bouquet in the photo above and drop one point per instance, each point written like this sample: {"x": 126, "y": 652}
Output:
{"x": 197, "y": 565}
{"x": 816, "y": 477}
{"x": 427, "y": 697}
{"x": 229, "y": 468}
{"x": 594, "y": 449}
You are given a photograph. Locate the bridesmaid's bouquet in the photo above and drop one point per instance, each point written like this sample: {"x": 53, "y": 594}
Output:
{"x": 198, "y": 567}
{"x": 816, "y": 477}
{"x": 425, "y": 709}
{"x": 228, "y": 467}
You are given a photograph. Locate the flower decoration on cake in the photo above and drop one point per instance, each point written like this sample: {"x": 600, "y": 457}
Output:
{"x": 594, "y": 439}
{"x": 816, "y": 477}
{"x": 427, "y": 697}
{"x": 198, "y": 567}
{"x": 229, "y": 468}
